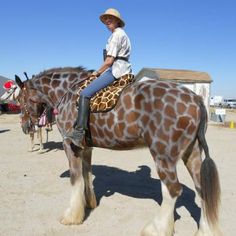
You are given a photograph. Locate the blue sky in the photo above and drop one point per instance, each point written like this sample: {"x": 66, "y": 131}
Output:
{"x": 177, "y": 34}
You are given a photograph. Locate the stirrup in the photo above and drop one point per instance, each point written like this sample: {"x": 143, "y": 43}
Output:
{"x": 77, "y": 137}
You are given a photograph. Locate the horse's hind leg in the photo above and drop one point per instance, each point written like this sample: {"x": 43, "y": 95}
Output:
{"x": 40, "y": 138}
{"x": 31, "y": 141}
{"x": 75, "y": 212}
{"x": 193, "y": 162}
{"x": 163, "y": 223}
{"x": 90, "y": 197}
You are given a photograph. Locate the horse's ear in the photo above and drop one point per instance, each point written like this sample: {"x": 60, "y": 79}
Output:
{"x": 26, "y": 75}
{"x": 19, "y": 82}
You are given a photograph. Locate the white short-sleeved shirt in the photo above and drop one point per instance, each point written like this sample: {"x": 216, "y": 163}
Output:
{"x": 118, "y": 45}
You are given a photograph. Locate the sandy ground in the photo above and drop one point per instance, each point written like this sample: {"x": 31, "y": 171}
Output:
{"x": 35, "y": 187}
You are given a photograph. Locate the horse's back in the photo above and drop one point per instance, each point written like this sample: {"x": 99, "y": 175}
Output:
{"x": 165, "y": 114}
{"x": 152, "y": 94}
{"x": 149, "y": 109}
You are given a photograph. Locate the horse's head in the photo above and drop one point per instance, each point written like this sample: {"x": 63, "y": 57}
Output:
{"x": 30, "y": 104}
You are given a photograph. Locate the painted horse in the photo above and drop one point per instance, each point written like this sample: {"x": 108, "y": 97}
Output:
{"x": 171, "y": 121}
{"x": 12, "y": 95}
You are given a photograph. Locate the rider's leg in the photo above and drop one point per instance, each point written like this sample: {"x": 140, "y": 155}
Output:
{"x": 83, "y": 108}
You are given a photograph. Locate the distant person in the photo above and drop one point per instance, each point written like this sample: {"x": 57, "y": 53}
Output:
{"x": 116, "y": 64}
{"x": 50, "y": 118}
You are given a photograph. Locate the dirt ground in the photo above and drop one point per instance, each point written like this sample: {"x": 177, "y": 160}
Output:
{"x": 35, "y": 187}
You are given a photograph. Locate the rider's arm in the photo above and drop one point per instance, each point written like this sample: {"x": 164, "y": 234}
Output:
{"x": 107, "y": 63}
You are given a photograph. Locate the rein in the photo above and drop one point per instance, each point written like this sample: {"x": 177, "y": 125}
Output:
{"x": 40, "y": 117}
{"x": 24, "y": 104}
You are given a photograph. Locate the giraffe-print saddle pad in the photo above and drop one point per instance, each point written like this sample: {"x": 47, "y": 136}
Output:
{"x": 106, "y": 99}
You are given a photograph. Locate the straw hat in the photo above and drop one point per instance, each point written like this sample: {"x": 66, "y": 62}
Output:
{"x": 112, "y": 12}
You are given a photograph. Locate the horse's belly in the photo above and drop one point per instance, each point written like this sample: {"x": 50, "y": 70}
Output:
{"x": 109, "y": 131}
{"x": 119, "y": 144}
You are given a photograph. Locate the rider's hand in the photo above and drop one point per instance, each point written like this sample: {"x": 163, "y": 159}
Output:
{"x": 95, "y": 73}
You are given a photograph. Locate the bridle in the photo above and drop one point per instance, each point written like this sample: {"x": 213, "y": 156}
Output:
{"x": 23, "y": 89}
{"x": 26, "y": 110}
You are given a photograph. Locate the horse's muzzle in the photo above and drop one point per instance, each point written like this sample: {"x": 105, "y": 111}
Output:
{"x": 26, "y": 127}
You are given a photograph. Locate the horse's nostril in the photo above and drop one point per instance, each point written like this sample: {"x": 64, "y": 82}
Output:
{"x": 26, "y": 127}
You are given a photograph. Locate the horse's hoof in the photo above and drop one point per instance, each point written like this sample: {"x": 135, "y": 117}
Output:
{"x": 200, "y": 233}
{"x": 152, "y": 230}
{"x": 72, "y": 219}
{"x": 65, "y": 221}
{"x": 149, "y": 230}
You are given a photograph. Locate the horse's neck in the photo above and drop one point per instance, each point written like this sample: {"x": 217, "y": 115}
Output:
{"x": 56, "y": 87}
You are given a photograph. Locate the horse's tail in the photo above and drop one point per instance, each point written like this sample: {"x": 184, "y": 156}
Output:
{"x": 210, "y": 185}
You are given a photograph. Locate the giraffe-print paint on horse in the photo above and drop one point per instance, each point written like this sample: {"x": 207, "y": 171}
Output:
{"x": 169, "y": 118}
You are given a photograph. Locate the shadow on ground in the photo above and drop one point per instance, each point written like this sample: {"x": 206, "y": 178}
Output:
{"x": 138, "y": 184}
{"x": 4, "y": 130}
{"x": 49, "y": 146}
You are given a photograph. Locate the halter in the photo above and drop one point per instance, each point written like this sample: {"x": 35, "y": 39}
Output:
{"x": 24, "y": 103}
{"x": 23, "y": 88}
{"x": 40, "y": 118}
{"x": 26, "y": 107}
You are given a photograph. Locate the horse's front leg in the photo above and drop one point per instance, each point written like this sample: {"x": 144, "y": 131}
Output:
{"x": 75, "y": 212}
{"x": 40, "y": 138}
{"x": 31, "y": 141}
{"x": 90, "y": 197}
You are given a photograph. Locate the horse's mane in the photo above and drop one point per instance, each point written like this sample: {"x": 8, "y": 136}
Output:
{"x": 51, "y": 71}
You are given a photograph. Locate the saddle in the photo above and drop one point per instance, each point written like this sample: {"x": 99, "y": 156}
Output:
{"x": 106, "y": 99}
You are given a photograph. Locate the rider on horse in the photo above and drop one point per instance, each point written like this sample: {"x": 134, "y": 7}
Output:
{"x": 116, "y": 64}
